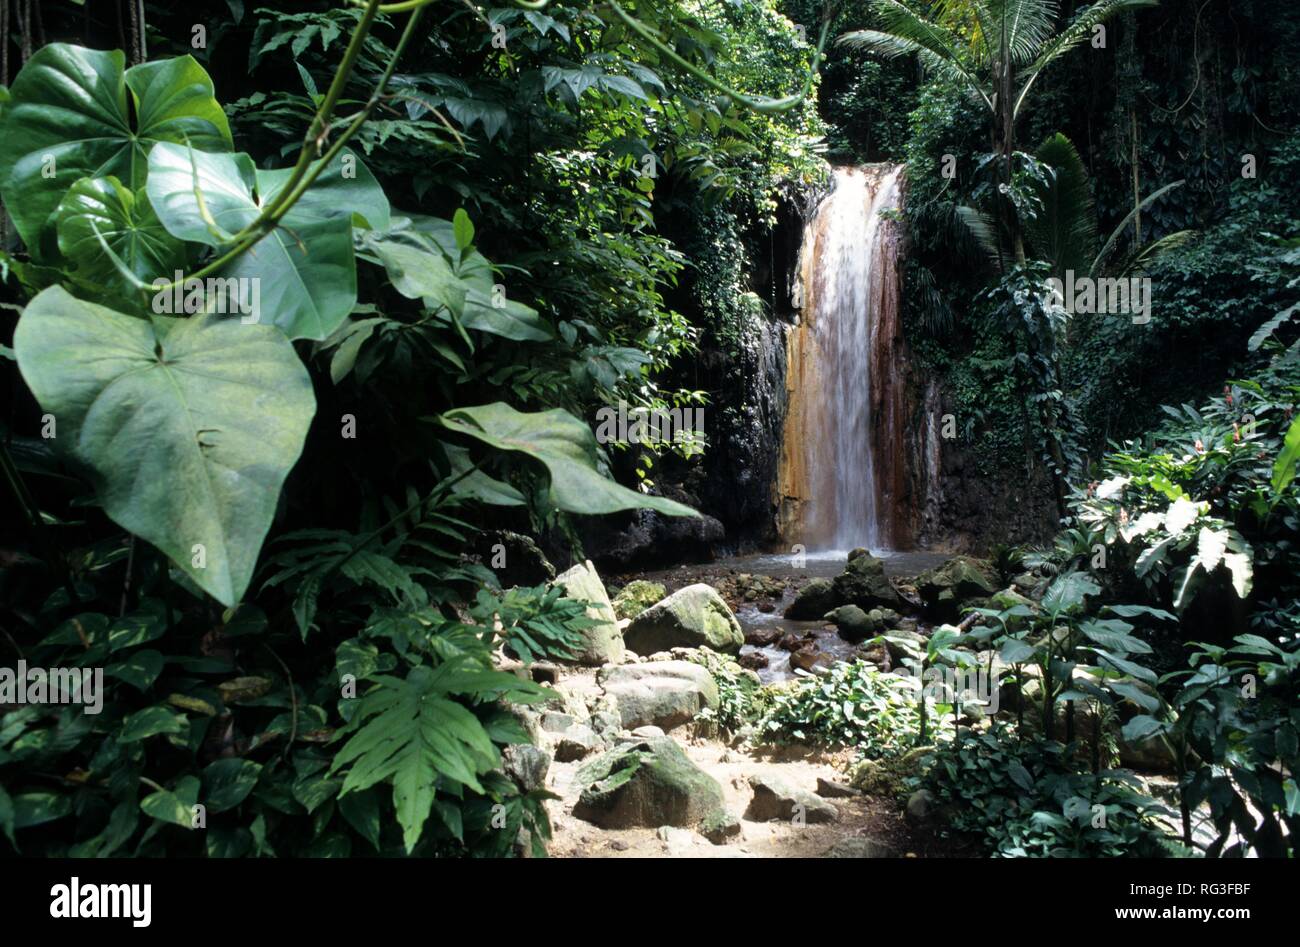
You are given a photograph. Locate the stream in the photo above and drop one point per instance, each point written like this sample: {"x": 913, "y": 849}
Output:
{"x": 751, "y": 615}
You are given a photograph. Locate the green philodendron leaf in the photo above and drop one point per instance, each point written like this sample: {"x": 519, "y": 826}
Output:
{"x": 139, "y": 670}
{"x": 566, "y": 447}
{"x": 69, "y": 117}
{"x": 151, "y": 722}
{"x": 188, "y": 426}
{"x": 174, "y": 806}
{"x": 99, "y": 212}
{"x": 304, "y": 271}
{"x": 227, "y": 782}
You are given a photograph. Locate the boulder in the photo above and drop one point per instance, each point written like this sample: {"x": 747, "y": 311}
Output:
{"x": 762, "y": 637}
{"x": 526, "y": 765}
{"x": 636, "y": 597}
{"x": 920, "y": 807}
{"x": 902, "y": 645}
{"x": 808, "y": 658}
{"x": 664, "y": 694}
{"x": 576, "y": 743}
{"x": 863, "y": 583}
{"x": 647, "y": 783}
{"x": 853, "y": 623}
{"x": 830, "y": 789}
{"x": 720, "y": 827}
{"x": 813, "y": 601}
{"x": 948, "y": 587}
{"x": 693, "y": 617}
{"x": 775, "y": 798}
{"x": 603, "y": 642}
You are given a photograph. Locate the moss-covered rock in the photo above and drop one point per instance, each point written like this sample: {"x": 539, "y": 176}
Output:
{"x": 646, "y": 783}
{"x": 853, "y": 623}
{"x": 603, "y": 642}
{"x": 635, "y": 597}
{"x": 863, "y": 583}
{"x": 813, "y": 601}
{"x": 693, "y": 617}
{"x": 947, "y": 589}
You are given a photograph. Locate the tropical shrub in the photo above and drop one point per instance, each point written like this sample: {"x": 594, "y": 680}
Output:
{"x": 852, "y": 704}
{"x": 1025, "y": 798}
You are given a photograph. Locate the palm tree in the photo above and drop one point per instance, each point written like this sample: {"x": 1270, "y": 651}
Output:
{"x": 996, "y": 48}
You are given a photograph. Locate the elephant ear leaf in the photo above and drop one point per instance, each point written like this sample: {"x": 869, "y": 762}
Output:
{"x": 566, "y": 447}
{"x": 108, "y": 230}
{"x": 188, "y": 427}
{"x": 303, "y": 271}
{"x": 69, "y": 117}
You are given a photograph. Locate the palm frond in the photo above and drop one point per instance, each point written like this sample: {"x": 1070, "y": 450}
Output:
{"x": 982, "y": 230}
{"x": 1272, "y": 325}
{"x": 1109, "y": 245}
{"x": 1028, "y": 25}
{"x": 900, "y": 21}
{"x": 882, "y": 44}
{"x": 1065, "y": 232}
{"x": 1079, "y": 31}
{"x": 1136, "y": 264}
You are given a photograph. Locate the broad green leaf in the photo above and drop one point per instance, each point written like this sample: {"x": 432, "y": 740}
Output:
{"x": 1127, "y": 689}
{"x": 1020, "y": 776}
{"x": 1114, "y": 635}
{"x": 430, "y": 266}
{"x": 1127, "y": 667}
{"x": 174, "y": 806}
{"x": 1141, "y": 727}
{"x": 102, "y": 226}
{"x": 463, "y": 229}
{"x": 361, "y": 810}
{"x": 70, "y": 117}
{"x": 37, "y": 808}
{"x": 227, "y": 783}
{"x": 188, "y": 426}
{"x": 1067, "y": 592}
{"x": 566, "y": 447}
{"x": 1016, "y": 651}
{"x": 1285, "y": 466}
{"x": 140, "y": 669}
{"x": 150, "y": 722}
{"x": 1132, "y": 611}
{"x": 305, "y": 270}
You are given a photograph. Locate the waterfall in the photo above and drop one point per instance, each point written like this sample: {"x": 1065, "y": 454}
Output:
{"x": 842, "y": 476}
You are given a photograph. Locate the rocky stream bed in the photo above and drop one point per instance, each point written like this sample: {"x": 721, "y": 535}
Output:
{"x": 631, "y": 749}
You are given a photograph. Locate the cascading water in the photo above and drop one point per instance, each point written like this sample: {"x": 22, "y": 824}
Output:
{"x": 842, "y": 478}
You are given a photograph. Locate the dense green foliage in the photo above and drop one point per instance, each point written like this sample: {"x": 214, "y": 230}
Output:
{"x": 431, "y": 241}
{"x": 259, "y": 521}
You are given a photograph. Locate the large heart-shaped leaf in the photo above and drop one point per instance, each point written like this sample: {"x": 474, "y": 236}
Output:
{"x": 99, "y": 219}
{"x": 188, "y": 426}
{"x": 68, "y": 117}
{"x": 568, "y": 449}
{"x": 305, "y": 269}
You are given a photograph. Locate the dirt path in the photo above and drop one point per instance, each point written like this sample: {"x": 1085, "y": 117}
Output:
{"x": 860, "y": 817}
